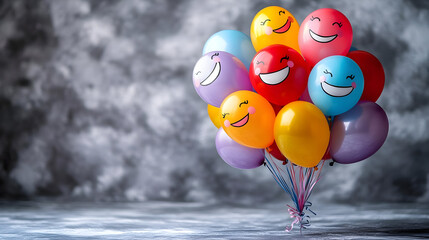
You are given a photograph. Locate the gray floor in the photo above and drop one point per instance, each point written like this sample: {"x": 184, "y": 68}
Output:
{"x": 163, "y": 220}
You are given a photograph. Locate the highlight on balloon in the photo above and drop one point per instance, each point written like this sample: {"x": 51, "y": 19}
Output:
{"x": 291, "y": 97}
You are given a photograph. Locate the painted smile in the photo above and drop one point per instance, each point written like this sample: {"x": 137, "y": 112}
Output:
{"x": 322, "y": 39}
{"x": 275, "y": 78}
{"x": 241, "y": 122}
{"x": 336, "y": 91}
{"x": 285, "y": 27}
{"x": 213, "y": 75}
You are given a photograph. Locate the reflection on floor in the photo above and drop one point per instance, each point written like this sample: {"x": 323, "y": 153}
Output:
{"x": 165, "y": 220}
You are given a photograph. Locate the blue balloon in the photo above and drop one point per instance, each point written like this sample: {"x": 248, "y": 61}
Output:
{"x": 233, "y": 42}
{"x": 335, "y": 85}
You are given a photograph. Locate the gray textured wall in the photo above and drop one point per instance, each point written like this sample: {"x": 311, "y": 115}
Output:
{"x": 97, "y": 102}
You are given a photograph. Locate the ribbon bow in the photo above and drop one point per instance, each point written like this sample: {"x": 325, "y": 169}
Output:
{"x": 300, "y": 217}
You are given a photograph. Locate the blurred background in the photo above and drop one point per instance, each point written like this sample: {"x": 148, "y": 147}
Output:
{"x": 97, "y": 102}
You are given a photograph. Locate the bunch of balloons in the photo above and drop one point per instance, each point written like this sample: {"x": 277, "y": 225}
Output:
{"x": 293, "y": 93}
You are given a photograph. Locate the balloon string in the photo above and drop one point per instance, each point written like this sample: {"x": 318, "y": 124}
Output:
{"x": 277, "y": 177}
{"x": 300, "y": 218}
{"x": 299, "y": 183}
{"x": 280, "y": 180}
{"x": 293, "y": 214}
{"x": 291, "y": 184}
{"x": 291, "y": 175}
{"x": 315, "y": 180}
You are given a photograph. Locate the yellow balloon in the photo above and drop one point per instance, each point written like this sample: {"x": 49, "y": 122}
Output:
{"x": 274, "y": 25}
{"x": 214, "y": 114}
{"x": 302, "y": 133}
{"x": 248, "y": 118}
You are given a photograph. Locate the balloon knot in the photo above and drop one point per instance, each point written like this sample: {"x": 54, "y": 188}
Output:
{"x": 300, "y": 218}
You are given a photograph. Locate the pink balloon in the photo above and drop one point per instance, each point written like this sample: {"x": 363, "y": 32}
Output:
{"x": 323, "y": 33}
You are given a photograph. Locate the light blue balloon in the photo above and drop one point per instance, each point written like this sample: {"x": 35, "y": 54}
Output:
{"x": 233, "y": 42}
{"x": 335, "y": 85}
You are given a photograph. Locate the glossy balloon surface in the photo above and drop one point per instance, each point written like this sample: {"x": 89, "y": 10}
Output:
{"x": 214, "y": 114}
{"x": 218, "y": 74}
{"x": 302, "y": 133}
{"x": 274, "y": 25}
{"x": 279, "y": 73}
{"x": 323, "y": 33}
{"x": 373, "y": 74}
{"x": 358, "y": 133}
{"x": 233, "y": 42}
{"x": 248, "y": 118}
{"x": 335, "y": 85}
{"x": 237, "y": 155}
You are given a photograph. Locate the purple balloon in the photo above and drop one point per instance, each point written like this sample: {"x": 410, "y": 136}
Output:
{"x": 358, "y": 133}
{"x": 218, "y": 74}
{"x": 237, "y": 155}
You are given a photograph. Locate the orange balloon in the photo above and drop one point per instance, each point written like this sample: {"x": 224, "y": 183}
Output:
{"x": 302, "y": 133}
{"x": 274, "y": 25}
{"x": 248, "y": 118}
{"x": 214, "y": 114}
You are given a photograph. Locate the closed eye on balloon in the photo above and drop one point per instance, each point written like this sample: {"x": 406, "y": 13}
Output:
{"x": 285, "y": 57}
{"x": 224, "y": 115}
{"x": 338, "y": 23}
{"x": 216, "y": 54}
{"x": 263, "y": 23}
{"x": 327, "y": 72}
{"x": 198, "y": 73}
{"x": 282, "y": 12}
{"x": 258, "y": 62}
{"x": 351, "y": 77}
{"x": 245, "y": 102}
{"x": 313, "y": 18}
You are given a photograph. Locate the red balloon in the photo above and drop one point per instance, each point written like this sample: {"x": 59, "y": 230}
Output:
{"x": 279, "y": 73}
{"x": 373, "y": 74}
{"x": 275, "y": 152}
{"x": 273, "y": 149}
{"x": 276, "y": 108}
{"x": 306, "y": 96}
{"x": 327, "y": 153}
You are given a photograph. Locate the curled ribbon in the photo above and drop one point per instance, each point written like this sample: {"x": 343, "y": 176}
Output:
{"x": 307, "y": 206}
{"x": 300, "y": 217}
{"x": 298, "y": 182}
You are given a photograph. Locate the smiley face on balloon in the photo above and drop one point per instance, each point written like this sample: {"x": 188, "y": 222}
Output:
{"x": 335, "y": 85}
{"x": 279, "y": 73}
{"x": 218, "y": 74}
{"x": 274, "y": 25}
{"x": 248, "y": 119}
{"x": 324, "y": 32}
{"x": 231, "y": 41}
